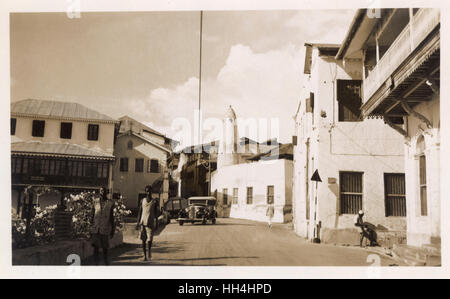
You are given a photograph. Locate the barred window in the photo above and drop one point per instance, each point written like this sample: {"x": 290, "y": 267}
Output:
{"x": 351, "y": 192}
{"x": 395, "y": 199}
{"x": 16, "y": 165}
{"x": 90, "y": 169}
{"x": 420, "y": 149}
{"x": 249, "y": 195}
{"x": 225, "y": 196}
{"x": 423, "y": 185}
{"x": 235, "y": 196}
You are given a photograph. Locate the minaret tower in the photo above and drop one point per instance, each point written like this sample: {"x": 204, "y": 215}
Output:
{"x": 229, "y": 141}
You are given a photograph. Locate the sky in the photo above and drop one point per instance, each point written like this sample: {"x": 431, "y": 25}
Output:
{"x": 146, "y": 64}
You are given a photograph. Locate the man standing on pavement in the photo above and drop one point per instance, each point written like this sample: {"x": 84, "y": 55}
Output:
{"x": 147, "y": 220}
{"x": 103, "y": 226}
{"x": 269, "y": 213}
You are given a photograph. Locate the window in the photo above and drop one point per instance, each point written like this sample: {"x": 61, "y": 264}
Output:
{"x": 13, "y": 126}
{"x": 350, "y": 192}
{"x": 420, "y": 149}
{"x": 104, "y": 167}
{"x": 90, "y": 169}
{"x": 38, "y": 128}
{"x": 16, "y": 165}
{"x": 270, "y": 193}
{"x": 153, "y": 166}
{"x": 59, "y": 168}
{"x": 79, "y": 168}
{"x": 124, "y": 164}
{"x": 225, "y": 196}
{"x": 349, "y": 100}
{"x": 51, "y": 170}
{"x": 92, "y": 132}
{"x": 35, "y": 167}
{"x": 395, "y": 199}
{"x": 66, "y": 131}
{"x": 130, "y": 145}
{"x": 139, "y": 165}
{"x": 423, "y": 185}
{"x": 102, "y": 170}
{"x": 25, "y": 166}
{"x": 235, "y": 196}
{"x": 249, "y": 195}
{"x": 45, "y": 167}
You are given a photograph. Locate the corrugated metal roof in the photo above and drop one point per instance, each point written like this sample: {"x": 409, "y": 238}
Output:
{"x": 56, "y": 109}
{"x": 283, "y": 151}
{"x": 59, "y": 149}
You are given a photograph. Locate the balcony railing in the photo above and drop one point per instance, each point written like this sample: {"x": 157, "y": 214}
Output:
{"x": 422, "y": 23}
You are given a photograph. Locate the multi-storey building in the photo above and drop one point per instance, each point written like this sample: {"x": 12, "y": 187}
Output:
{"x": 360, "y": 162}
{"x": 250, "y": 175}
{"x": 399, "y": 55}
{"x": 142, "y": 155}
{"x": 65, "y": 146}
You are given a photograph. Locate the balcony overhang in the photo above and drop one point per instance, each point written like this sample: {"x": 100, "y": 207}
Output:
{"x": 409, "y": 83}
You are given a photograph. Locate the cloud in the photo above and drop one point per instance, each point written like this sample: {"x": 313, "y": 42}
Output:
{"x": 257, "y": 85}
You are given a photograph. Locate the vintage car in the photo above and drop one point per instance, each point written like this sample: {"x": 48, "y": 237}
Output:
{"x": 200, "y": 209}
{"x": 173, "y": 206}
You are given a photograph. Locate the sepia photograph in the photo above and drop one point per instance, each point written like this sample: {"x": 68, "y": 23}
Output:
{"x": 218, "y": 137}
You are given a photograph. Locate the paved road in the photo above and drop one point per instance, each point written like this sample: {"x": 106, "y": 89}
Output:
{"x": 234, "y": 242}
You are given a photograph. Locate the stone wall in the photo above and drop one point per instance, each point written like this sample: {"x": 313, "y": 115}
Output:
{"x": 57, "y": 253}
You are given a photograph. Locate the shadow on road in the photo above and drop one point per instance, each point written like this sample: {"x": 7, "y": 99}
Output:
{"x": 238, "y": 224}
{"x": 173, "y": 262}
{"x": 129, "y": 253}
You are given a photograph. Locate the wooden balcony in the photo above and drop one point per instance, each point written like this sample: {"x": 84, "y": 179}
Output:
{"x": 420, "y": 26}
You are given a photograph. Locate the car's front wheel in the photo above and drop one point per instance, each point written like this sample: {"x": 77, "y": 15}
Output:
{"x": 181, "y": 223}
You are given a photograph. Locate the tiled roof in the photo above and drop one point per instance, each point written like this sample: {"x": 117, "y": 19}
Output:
{"x": 144, "y": 127}
{"x": 54, "y": 109}
{"x": 57, "y": 149}
{"x": 164, "y": 147}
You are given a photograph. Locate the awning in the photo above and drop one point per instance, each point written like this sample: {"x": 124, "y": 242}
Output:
{"x": 64, "y": 150}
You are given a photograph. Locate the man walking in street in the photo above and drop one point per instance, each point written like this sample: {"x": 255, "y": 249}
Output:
{"x": 147, "y": 220}
{"x": 103, "y": 226}
{"x": 269, "y": 213}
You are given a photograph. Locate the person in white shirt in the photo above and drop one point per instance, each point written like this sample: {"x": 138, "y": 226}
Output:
{"x": 269, "y": 213}
{"x": 147, "y": 220}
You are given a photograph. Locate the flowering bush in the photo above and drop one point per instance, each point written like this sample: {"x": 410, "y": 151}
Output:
{"x": 120, "y": 211}
{"x": 42, "y": 228}
{"x": 42, "y": 225}
{"x": 81, "y": 206}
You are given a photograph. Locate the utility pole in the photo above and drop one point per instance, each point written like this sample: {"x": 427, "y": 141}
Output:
{"x": 200, "y": 81}
{"x": 316, "y": 178}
